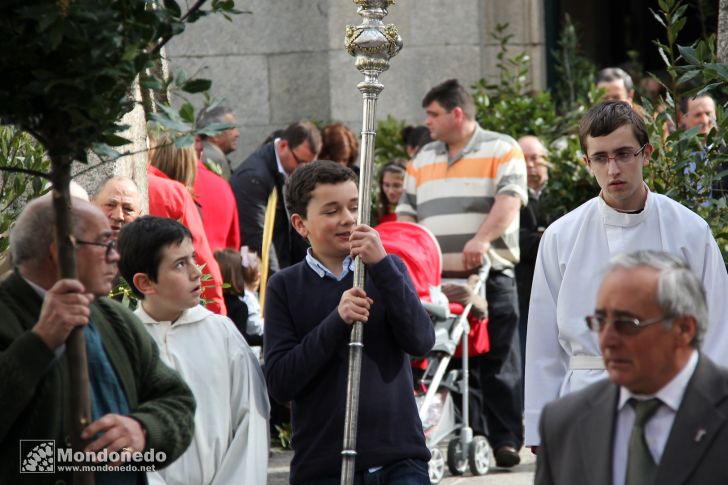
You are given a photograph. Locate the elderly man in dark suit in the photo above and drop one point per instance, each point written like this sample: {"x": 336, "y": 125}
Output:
{"x": 534, "y": 222}
{"x": 661, "y": 416}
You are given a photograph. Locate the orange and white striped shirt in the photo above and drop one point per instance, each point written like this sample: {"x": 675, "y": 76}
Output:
{"x": 452, "y": 198}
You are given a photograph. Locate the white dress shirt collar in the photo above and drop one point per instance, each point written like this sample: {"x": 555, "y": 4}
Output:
{"x": 672, "y": 393}
{"x": 346, "y": 267}
{"x": 278, "y": 159}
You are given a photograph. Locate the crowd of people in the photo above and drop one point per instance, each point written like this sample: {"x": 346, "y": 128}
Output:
{"x": 243, "y": 273}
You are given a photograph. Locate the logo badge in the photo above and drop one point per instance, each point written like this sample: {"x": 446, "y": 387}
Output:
{"x": 37, "y": 456}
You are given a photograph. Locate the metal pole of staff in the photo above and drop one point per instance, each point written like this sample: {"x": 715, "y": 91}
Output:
{"x": 373, "y": 44}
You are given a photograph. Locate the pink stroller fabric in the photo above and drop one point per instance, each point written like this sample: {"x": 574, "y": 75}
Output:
{"x": 419, "y": 250}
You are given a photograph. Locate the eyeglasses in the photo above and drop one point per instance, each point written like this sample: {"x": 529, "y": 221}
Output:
{"x": 622, "y": 156}
{"x": 623, "y": 325}
{"x": 295, "y": 157}
{"x": 110, "y": 246}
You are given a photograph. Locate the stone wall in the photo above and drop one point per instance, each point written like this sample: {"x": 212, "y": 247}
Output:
{"x": 133, "y": 165}
{"x": 286, "y": 60}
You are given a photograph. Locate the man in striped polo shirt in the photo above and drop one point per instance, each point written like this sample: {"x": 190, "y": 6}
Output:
{"x": 468, "y": 187}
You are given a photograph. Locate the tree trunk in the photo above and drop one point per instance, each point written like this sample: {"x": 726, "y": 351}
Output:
{"x": 76, "y": 344}
{"x": 723, "y": 32}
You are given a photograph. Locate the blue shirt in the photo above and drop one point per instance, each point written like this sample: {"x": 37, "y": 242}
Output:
{"x": 346, "y": 267}
{"x": 107, "y": 396}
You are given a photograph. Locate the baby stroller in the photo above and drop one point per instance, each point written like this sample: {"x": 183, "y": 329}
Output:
{"x": 421, "y": 253}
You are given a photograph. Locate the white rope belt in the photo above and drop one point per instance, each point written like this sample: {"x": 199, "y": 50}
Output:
{"x": 586, "y": 362}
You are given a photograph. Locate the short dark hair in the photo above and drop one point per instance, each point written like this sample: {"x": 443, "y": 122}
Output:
{"x": 686, "y": 99}
{"x": 450, "y": 95}
{"x": 306, "y": 177}
{"x": 300, "y": 132}
{"x": 609, "y": 74}
{"x": 141, "y": 246}
{"x": 604, "y": 118}
{"x": 416, "y": 136}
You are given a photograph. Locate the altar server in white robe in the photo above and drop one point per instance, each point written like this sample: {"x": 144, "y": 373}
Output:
{"x": 230, "y": 444}
{"x": 562, "y": 355}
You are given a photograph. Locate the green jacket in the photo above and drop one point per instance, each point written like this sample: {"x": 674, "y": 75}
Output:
{"x": 35, "y": 403}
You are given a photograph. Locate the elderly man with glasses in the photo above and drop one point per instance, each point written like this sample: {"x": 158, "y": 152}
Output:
{"x": 137, "y": 403}
{"x": 661, "y": 416}
{"x": 562, "y": 355}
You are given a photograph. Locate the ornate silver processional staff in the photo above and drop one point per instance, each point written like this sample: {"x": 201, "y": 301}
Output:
{"x": 373, "y": 44}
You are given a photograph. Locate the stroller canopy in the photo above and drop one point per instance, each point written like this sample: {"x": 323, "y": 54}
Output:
{"x": 419, "y": 250}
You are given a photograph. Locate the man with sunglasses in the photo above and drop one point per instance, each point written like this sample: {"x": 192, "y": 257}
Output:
{"x": 562, "y": 355}
{"x": 137, "y": 402}
{"x": 661, "y": 416}
{"x": 260, "y": 174}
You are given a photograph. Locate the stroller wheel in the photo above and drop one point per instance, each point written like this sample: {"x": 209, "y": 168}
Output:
{"x": 457, "y": 462}
{"x": 479, "y": 456}
{"x": 436, "y": 466}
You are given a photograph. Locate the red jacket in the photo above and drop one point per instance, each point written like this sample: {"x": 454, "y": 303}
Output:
{"x": 218, "y": 209}
{"x": 169, "y": 198}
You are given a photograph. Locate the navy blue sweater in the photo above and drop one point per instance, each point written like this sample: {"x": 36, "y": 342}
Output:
{"x": 306, "y": 360}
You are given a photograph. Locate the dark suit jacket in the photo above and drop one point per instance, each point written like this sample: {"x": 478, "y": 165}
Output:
{"x": 529, "y": 237}
{"x": 252, "y": 183}
{"x": 577, "y": 433}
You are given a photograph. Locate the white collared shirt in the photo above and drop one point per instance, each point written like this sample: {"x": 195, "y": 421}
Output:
{"x": 657, "y": 429}
{"x": 321, "y": 270}
{"x": 278, "y": 159}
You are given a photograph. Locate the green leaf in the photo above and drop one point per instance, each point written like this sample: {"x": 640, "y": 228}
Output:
{"x": 214, "y": 129}
{"x": 678, "y": 13}
{"x": 689, "y": 54}
{"x": 104, "y": 151}
{"x": 180, "y": 77}
{"x": 170, "y": 124}
{"x": 664, "y": 57}
{"x": 115, "y": 140}
{"x": 707, "y": 89}
{"x": 720, "y": 70}
{"x": 187, "y": 113}
{"x": 688, "y": 76}
{"x": 196, "y": 85}
{"x": 678, "y": 26}
{"x": 173, "y": 7}
{"x": 184, "y": 141}
{"x": 151, "y": 82}
{"x": 658, "y": 18}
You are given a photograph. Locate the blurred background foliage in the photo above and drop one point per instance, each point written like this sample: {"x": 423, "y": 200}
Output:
{"x": 16, "y": 186}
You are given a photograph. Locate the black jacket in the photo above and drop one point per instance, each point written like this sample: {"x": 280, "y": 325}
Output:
{"x": 252, "y": 183}
{"x": 533, "y": 223}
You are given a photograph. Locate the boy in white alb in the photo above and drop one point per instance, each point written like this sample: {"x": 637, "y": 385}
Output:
{"x": 230, "y": 443}
{"x": 562, "y": 354}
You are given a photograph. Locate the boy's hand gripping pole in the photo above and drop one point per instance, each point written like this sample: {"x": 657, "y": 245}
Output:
{"x": 373, "y": 44}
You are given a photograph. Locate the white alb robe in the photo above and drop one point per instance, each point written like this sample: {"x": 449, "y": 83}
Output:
{"x": 572, "y": 257}
{"x": 230, "y": 444}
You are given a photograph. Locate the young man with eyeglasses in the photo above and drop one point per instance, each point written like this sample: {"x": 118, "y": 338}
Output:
{"x": 660, "y": 417}
{"x": 562, "y": 355}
